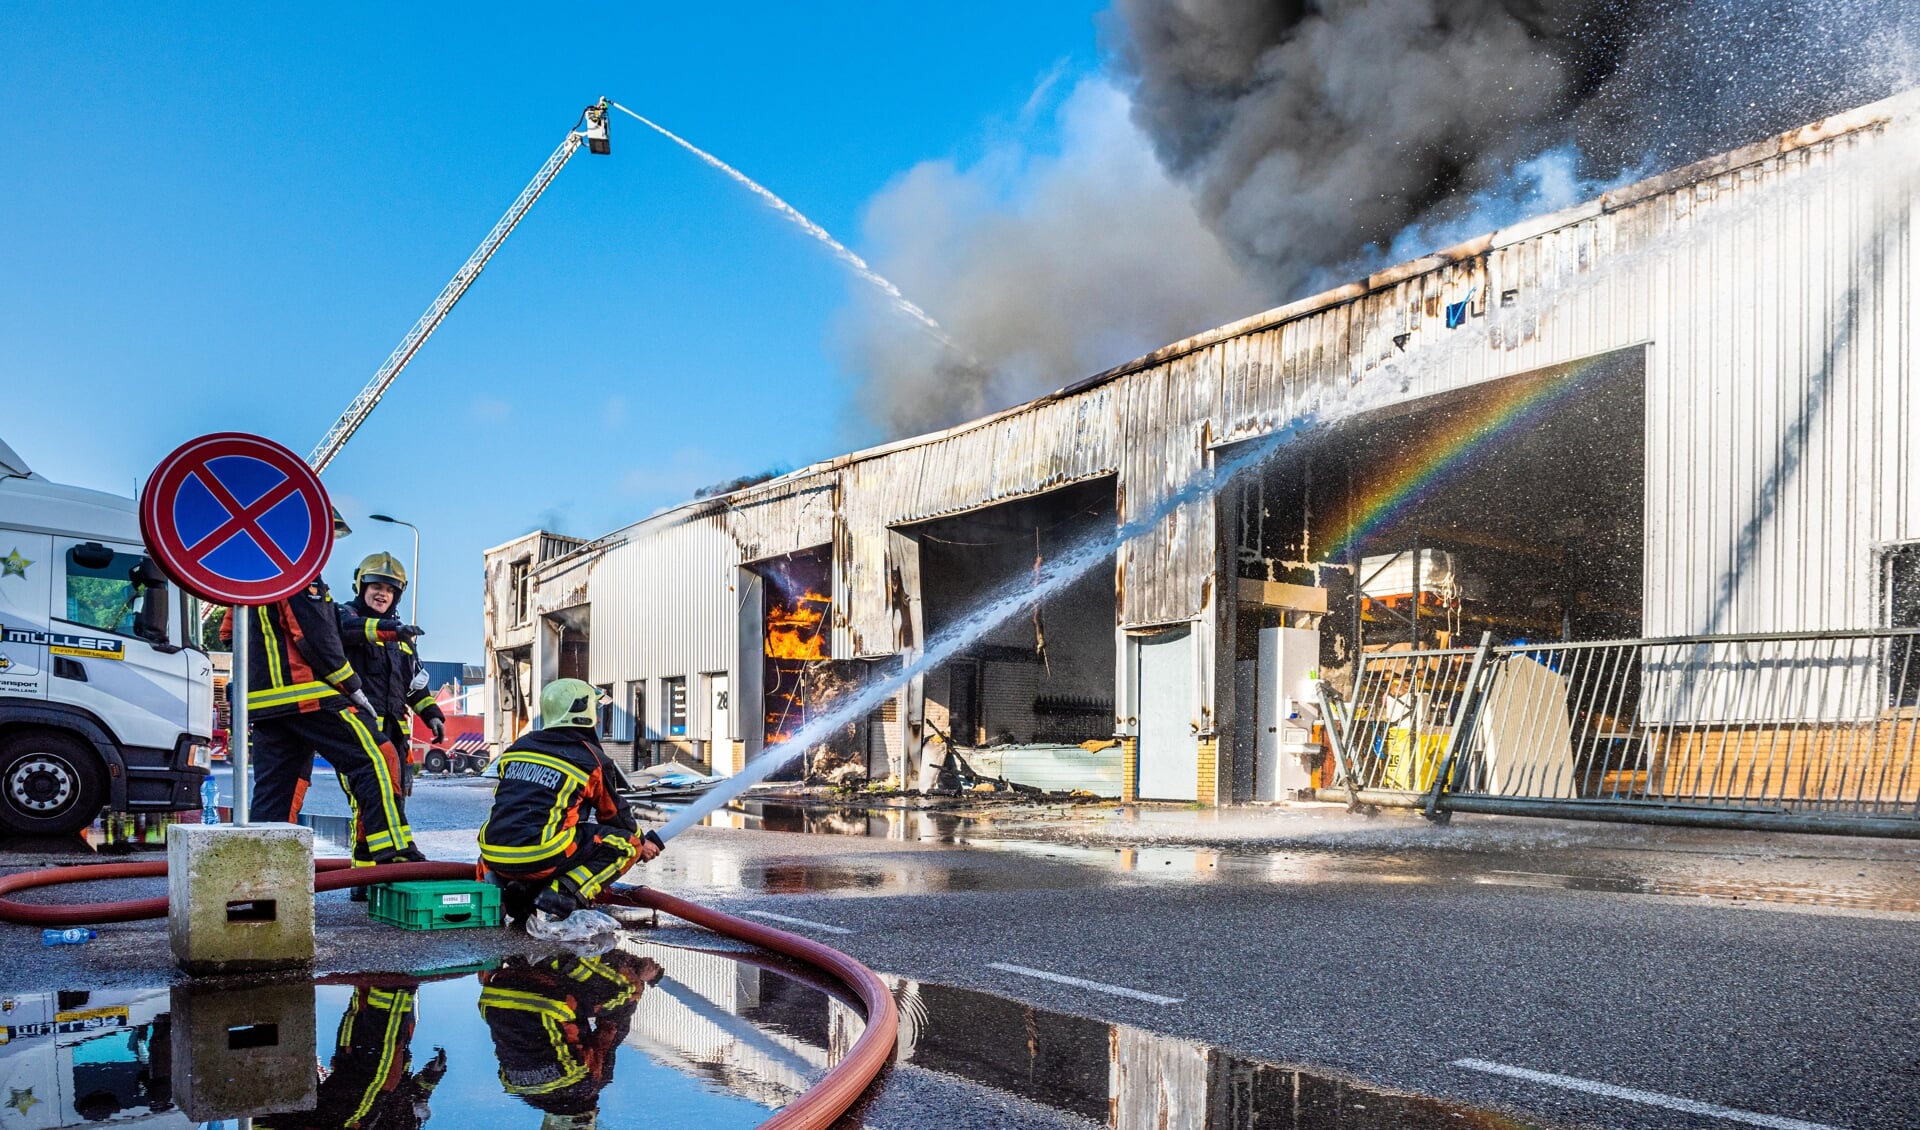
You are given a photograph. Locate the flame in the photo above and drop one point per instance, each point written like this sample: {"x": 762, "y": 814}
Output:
{"x": 794, "y": 632}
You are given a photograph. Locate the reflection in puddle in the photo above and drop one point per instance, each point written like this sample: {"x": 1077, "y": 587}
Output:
{"x": 1131, "y": 1079}
{"x": 643, "y": 1035}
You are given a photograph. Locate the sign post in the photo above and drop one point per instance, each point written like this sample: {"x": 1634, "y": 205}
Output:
{"x": 239, "y": 741}
{"x": 238, "y": 520}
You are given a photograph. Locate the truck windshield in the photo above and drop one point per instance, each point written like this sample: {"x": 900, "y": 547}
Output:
{"x": 103, "y": 597}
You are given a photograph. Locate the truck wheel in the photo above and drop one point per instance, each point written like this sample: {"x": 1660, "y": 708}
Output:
{"x": 51, "y": 784}
{"x": 436, "y": 761}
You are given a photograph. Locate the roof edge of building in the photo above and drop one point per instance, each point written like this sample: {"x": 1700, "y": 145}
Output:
{"x": 1870, "y": 116}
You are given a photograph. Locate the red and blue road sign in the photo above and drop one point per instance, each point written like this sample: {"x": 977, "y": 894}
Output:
{"x": 237, "y": 519}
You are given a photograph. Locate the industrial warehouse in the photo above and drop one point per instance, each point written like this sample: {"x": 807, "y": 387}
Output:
{"x": 1613, "y": 505}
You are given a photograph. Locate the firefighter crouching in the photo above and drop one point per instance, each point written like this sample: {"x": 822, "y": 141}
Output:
{"x": 559, "y": 832}
{"x": 557, "y": 1023}
{"x": 380, "y": 647}
{"x": 303, "y": 697}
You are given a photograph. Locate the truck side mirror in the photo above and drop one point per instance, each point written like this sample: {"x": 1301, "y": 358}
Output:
{"x": 152, "y": 622}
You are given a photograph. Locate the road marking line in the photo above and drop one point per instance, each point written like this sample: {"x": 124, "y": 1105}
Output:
{"x": 1650, "y": 1098}
{"x": 798, "y": 921}
{"x": 1096, "y": 986}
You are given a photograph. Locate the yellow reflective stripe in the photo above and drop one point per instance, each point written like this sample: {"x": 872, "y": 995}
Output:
{"x": 423, "y": 702}
{"x": 342, "y": 675}
{"x": 281, "y": 696}
{"x": 562, "y": 804}
{"x": 594, "y": 967}
{"x": 569, "y": 768}
{"x": 590, "y": 882}
{"x": 406, "y": 647}
{"x": 275, "y": 673}
{"x": 389, "y": 1052}
{"x": 504, "y": 853}
{"x": 495, "y": 997}
{"x": 396, "y": 823}
{"x": 373, "y": 630}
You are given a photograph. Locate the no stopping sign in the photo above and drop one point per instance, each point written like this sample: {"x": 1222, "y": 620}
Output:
{"x": 237, "y": 519}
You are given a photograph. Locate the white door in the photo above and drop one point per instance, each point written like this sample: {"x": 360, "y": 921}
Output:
{"x": 719, "y": 725}
{"x": 1169, "y": 747}
{"x": 1289, "y": 664}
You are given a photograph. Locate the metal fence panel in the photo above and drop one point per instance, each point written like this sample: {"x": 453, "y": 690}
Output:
{"x": 1803, "y": 728}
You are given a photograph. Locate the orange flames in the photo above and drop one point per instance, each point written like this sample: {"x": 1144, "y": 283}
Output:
{"x": 795, "y": 632}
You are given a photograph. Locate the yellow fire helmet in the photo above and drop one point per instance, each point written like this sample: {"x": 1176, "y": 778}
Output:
{"x": 570, "y": 702}
{"x": 382, "y": 567}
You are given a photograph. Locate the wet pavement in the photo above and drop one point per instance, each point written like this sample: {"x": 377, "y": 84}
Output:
{"x": 638, "y": 1035}
{"x": 1552, "y": 973}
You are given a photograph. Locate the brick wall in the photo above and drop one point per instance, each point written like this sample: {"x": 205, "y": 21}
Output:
{"x": 1130, "y": 769}
{"x": 1209, "y": 764}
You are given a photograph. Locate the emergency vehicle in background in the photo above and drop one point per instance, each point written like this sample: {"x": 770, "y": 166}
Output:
{"x": 106, "y": 701}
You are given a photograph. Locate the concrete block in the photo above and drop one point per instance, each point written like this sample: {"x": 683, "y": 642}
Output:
{"x": 240, "y": 899}
{"x": 242, "y": 1051}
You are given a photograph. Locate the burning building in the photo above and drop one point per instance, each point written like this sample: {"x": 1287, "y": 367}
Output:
{"x": 1681, "y": 411}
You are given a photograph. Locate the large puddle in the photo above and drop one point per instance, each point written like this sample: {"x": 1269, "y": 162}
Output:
{"x": 643, "y": 1035}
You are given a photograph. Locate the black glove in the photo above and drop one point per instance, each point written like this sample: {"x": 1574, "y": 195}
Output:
{"x": 439, "y": 728}
{"x": 411, "y": 631}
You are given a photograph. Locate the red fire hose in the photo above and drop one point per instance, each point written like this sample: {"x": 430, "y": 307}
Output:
{"x": 817, "y": 1109}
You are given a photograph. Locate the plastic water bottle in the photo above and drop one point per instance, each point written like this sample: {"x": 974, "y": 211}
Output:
{"x": 77, "y": 936}
{"x": 209, "y": 801}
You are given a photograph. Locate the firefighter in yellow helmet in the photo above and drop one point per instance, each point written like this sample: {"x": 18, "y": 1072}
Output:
{"x": 380, "y": 646}
{"x": 560, "y": 832}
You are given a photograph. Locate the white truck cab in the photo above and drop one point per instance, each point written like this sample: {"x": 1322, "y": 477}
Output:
{"x": 105, "y": 699}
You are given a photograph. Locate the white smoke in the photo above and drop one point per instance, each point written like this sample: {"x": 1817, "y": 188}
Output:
{"x": 1045, "y": 268}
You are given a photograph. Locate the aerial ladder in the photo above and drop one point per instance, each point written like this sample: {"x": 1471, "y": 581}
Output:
{"x": 591, "y": 130}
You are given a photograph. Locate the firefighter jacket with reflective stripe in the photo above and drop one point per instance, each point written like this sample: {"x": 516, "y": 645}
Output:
{"x": 389, "y": 670}
{"x": 294, "y": 658}
{"x": 549, "y": 781}
{"x": 557, "y": 1024}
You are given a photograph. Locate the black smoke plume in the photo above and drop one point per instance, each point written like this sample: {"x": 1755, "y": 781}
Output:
{"x": 1274, "y": 147}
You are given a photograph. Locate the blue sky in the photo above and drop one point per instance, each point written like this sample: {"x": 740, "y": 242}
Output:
{"x": 224, "y": 218}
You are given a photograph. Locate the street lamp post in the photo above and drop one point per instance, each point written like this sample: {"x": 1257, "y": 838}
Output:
{"x": 413, "y": 581}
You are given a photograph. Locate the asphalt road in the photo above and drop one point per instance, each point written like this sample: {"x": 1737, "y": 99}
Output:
{"x": 1643, "y": 978}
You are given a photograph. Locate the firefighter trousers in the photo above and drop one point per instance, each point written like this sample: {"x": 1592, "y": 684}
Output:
{"x": 368, "y": 767}
{"x": 601, "y": 854}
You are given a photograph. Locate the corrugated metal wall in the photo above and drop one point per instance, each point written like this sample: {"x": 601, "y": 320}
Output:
{"x": 663, "y": 602}
{"x": 1034, "y": 449}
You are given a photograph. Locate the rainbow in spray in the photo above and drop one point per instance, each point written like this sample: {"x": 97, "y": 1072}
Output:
{"x": 1440, "y": 454}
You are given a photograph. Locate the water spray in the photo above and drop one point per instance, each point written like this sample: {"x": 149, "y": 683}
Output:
{"x": 840, "y": 250}
{"x": 1016, "y": 598}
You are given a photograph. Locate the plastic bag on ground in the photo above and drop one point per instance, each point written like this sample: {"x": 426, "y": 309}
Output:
{"x": 580, "y": 927}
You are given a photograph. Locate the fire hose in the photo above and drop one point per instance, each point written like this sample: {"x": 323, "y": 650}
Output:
{"x": 818, "y": 1108}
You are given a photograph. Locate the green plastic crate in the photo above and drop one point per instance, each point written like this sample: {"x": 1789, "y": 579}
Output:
{"x": 451, "y": 904}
